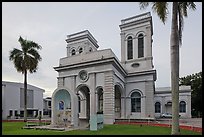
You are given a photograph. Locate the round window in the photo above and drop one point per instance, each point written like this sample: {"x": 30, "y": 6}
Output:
{"x": 134, "y": 65}
{"x": 83, "y": 75}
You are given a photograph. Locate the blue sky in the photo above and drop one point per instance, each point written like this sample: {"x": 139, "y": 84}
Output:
{"x": 48, "y": 24}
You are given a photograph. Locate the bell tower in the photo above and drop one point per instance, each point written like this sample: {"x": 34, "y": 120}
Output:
{"x": 136, "y": 43}
{"x": 80, "y": 43}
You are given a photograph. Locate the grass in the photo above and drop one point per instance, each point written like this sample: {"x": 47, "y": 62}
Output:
{"x": 15, "y": 128}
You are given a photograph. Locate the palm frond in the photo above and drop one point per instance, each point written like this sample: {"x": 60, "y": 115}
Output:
{"x": 23, "y": 44}
{"x": 143, "y": 5}
{"x": 183, "y": 8}
{"x": 191, "y": 5}
{"x": 185, "y": 5}
{"x": 27, "y": 58}
{"x": 32, "y": 52}
{"x": 34, "y": 45}
{"x": 19, "y": 64}
{"x": 161, "y": 8}
{"x": 31, "y": 63}
{"x": 182, "y": 12}
{"x": 13, "y": 53}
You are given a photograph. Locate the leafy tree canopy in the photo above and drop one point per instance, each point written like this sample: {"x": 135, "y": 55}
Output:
{"x": 195, "y": 81}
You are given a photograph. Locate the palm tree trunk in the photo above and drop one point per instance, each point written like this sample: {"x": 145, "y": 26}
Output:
{"x": 174, "y": 47}
{"x": 25, "y": 96}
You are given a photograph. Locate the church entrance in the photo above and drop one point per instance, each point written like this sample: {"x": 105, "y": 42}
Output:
{"x": 83, "y": 94}
{"x": 62, "y": 108}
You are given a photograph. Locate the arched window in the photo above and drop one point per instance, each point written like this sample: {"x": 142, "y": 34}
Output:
{"x": 140, "y": 46}
{"x": 79, "y": 104}
{"x": 135, "y": 102}
{"x": 182, "y": 107}
{"x": 80, "y": 50}
{"x": 100, "y": 102}
{"x": 61, "y": 105}
{"x": 157, "y": 107}
{"x": 129, "y": 48}
{"x": 73, "y": 52}
{"x": 90, "y": 49}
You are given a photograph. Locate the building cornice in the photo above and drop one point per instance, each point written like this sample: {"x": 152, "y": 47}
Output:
{"x": 101, "y": 57}
{"x": 148, "y": 72}
{"x": 82, "y": 35}
{"x": 135, "y": 20}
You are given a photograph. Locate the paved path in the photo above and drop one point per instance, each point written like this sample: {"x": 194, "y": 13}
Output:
{"x": 195, "y": 122}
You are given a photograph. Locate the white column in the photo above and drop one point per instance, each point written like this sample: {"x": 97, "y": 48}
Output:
{"x": 92, "y": 94}
{"x": 147, "y": 42}
{"x": 53, "y": 111}
{"x": 34, "y": 113}
{"x": 123, "y": 51}
{"x": 96, "y": 100}
{"x": 74, "y": 103}
{"x": 68, "y": 51}
{"x": 188, "y": 106}
{"x": 109, "y": 98}
{"x": 3, "y": 102}
{"x": 135, "y": 48}
{"x": 163, "y": 105}
{"x": 148, "y": 100}
{"x": 122, "y": 107}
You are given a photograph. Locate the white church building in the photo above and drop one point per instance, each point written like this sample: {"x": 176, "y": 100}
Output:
{"x": 92, "y": 81}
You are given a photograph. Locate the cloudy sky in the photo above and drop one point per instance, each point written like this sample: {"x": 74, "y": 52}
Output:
{"x": 48, "y": 24}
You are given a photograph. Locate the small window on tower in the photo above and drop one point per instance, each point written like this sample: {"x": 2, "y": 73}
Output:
{"x": 80, "y": 50}
{"x": 73, "y": 52}
{"x": 90, "y": 49}
{"x": 140, "y": 46}
{"x": 129, "y": 48}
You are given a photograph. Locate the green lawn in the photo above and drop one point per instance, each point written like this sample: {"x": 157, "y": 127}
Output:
{"x": 15, "y": 128}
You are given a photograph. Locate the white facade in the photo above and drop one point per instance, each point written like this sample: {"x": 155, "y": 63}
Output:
{"x": 13, "y": 100}
{"x": 91, "y": 80}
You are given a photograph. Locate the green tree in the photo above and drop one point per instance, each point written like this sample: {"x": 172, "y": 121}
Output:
{"x": 25, "y": 59}
{"x": 179, "y": 10}
{"x": 195, "y": 81}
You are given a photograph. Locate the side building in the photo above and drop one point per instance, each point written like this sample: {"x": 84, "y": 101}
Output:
{"x": 13, "y": 100}
{"x": 47, "y": 106}
{"x": 163, "y": 101}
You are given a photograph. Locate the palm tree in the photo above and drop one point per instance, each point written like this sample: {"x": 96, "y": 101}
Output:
{"x": 25, "y": 60}
{"x": 179, "y": 10}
